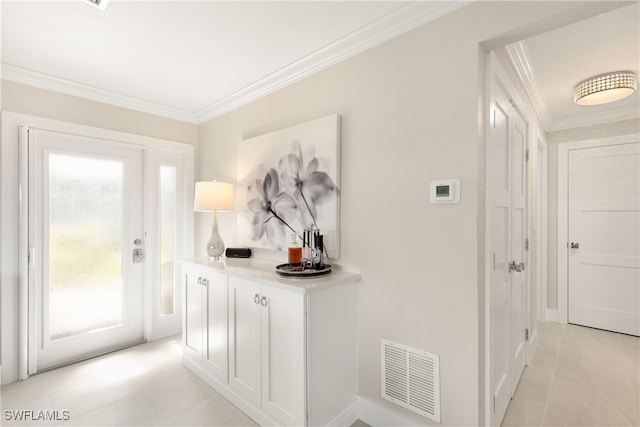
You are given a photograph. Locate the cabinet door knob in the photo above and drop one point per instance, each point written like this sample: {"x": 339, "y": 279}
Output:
{"x": 256, "y": 299}
{"x": 264, "y": 301}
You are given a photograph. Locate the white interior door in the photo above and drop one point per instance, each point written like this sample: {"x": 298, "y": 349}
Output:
{"x": 604, "y": 238}
{"x": 507, "y": 225}
{"x": 85, "y": 222}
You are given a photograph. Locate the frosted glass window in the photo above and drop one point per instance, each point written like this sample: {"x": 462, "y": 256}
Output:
{"x": 85, "y": 207}
{"x": 167, "y": 238}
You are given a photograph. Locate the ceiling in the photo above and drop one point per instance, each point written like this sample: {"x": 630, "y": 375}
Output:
{"x": 195, "y": 60}
{"x": 553, "y": 63}
{"x": 192, "y": 60}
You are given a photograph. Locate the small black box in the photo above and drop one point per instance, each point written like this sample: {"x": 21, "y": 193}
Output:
{"x": 238, "y": 252}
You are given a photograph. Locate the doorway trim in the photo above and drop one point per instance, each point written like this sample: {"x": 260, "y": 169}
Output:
{"x": 561, "y": 315}
{"x": 540, "y": 231}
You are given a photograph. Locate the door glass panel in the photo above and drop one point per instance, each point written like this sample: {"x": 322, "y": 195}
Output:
{"x": 167, "y": 238}
{"x": 86, "y": 197}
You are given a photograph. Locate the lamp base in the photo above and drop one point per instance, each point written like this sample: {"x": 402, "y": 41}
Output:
{"x": 215, "y": 245}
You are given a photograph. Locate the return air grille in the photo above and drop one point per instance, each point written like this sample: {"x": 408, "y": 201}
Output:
{"x": 411, "y": 378}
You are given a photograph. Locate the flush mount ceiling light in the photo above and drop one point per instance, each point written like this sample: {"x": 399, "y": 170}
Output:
{"x": 100, "y": 4}
{"x": 605, "y": 88}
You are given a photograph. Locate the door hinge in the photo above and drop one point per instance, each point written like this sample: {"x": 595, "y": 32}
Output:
{"x": 526, "y": 244}
{"x": 494, "y": 403}
{"x": 526, "y": 155}
{"x": 526, "y": 334}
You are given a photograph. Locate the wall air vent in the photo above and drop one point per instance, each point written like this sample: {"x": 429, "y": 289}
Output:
{"x": 411, "y": 378}
{"x": 100, "y": 4}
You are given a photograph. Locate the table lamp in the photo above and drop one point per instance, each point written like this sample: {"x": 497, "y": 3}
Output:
{"x": 214, "y": 196}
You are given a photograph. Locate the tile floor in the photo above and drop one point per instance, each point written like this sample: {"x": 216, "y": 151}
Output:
{"x": 579, "y": 377}
{"x": 144, "y": 385}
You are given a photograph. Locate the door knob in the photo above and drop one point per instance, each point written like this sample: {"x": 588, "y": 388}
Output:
{"x": 575, "y": 245}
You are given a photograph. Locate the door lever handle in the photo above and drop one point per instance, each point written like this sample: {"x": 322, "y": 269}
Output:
{"x": 138, "y": 256}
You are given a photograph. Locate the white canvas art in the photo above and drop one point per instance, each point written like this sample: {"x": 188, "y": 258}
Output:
{"x": 289, "y": 180}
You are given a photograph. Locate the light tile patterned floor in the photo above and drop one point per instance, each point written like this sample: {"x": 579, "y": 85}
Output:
{"x": 144, "y": 385}
{"x": 579, "y": 377}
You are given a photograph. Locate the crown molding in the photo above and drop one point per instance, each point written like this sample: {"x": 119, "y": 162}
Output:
{"x": 602, "y": 117}
{"x": 395, "y": 23}
{"x": 67, "y": 87}
{"x": 520, "y": 59}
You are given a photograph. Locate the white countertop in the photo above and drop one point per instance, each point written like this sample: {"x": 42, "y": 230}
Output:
{"x": 265, "y": 270}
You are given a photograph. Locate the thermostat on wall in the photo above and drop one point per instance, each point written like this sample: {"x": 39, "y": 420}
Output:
{"x": 447, "y": 191}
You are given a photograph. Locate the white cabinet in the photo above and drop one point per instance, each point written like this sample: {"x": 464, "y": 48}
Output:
{"x": 266, "y": 348}
{"x": 205, "y": 320}
{"x": 244, "y": 338}
{"x": 281, "y": 350}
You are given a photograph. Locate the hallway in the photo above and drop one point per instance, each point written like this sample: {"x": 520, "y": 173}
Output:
{"x": 579, "y": 377}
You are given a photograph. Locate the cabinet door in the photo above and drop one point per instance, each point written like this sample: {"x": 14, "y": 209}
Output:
{"x": 244, "y": 338}
{"x": 283, "y": 355}
{"x": 192, "y": 328}
{"x": 215, "y": 345}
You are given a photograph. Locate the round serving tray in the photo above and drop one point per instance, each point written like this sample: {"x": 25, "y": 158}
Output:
{"x": 291, "y": 270}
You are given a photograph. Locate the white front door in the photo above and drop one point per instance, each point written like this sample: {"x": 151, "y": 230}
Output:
{"x": 604, "y": 238}
{"x": 85, "y": 225}
{"x": 506, "y": 235}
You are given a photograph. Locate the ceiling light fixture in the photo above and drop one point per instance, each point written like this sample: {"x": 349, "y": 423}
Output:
{"x": 605, "y": 88}
{"x": 100, "y": 4}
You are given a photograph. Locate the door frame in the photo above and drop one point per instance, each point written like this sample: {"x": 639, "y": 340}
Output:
{"x": 561, "y": 314}
{"x": 15, "y": 299}
{"x": 540, "y": 237}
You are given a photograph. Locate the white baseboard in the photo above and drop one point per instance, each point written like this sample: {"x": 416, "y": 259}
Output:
{"x": 372, "y": 414}
{"x": 348, "y": 416}
{"x": 552, "y": 315}
{"x": 532, "y": 345}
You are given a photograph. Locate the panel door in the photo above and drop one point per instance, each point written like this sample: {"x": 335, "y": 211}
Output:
{"x": 193, "y": 316}
{"x": 244, "y": 338}
{"x": 215, "y": 345}
{"x": 507, "y": 231}
{"x": 283, "y": 355}
{"x": 499, "y": 215}
{"x": 604, "y": 238}
{"x": 518, "y": 317}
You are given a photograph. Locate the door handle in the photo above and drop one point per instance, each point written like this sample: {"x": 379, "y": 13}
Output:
{"x": 138, "y": 256}
{"x": 575, "y": 245}
{"x": 518, "y": 268}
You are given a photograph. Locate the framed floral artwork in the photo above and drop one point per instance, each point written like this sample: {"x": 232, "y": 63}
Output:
{"x": 289, "y": 180}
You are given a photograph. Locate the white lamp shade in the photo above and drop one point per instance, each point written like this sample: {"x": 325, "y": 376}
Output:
{"x": 213, "y": 196}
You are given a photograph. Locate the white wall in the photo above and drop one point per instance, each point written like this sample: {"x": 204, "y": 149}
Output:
{"x": 411, "y": 113}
